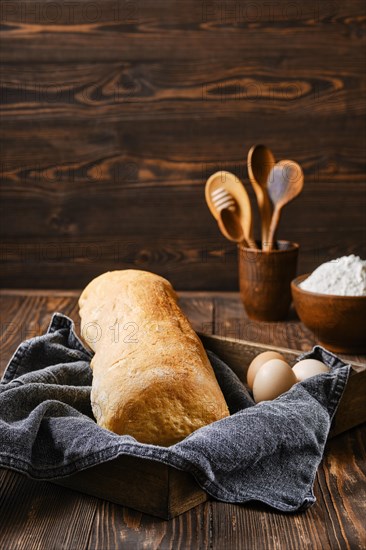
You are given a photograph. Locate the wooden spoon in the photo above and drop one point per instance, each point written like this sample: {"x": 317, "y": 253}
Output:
{"x": 285, "y": 182}
{"x": 260, "y": 163}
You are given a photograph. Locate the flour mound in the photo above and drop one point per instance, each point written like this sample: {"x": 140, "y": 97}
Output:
{"x": 344, "y": 276}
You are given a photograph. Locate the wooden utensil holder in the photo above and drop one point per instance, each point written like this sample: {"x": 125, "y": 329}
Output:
{"x": 265, "y": 280}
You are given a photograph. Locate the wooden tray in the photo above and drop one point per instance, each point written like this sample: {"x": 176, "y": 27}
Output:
{"x": 165, "y": 492}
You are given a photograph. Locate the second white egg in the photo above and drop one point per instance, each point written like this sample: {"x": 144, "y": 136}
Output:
{"x": 308, "y": 367}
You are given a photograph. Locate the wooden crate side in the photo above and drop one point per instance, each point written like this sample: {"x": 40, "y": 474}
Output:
{"x": 184, "y": 492}
{"x": 129, "y": 481}
{"x": 352, "y": 407}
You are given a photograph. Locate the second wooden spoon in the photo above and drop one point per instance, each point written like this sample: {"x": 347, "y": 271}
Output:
{"x": 260, "y": 163}
{"x": 285, "y": 182}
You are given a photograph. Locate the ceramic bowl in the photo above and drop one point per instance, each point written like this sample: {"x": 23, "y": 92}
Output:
{"x": 338, "y": 322}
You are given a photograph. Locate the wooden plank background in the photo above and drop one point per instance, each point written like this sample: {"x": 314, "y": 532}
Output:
{"x": 114, "y": 113}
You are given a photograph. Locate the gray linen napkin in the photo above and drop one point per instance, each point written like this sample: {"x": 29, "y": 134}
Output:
{"x": 267, "y": 452}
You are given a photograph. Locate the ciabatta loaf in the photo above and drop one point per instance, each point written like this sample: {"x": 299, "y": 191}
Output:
{"x": 151, "y": 376}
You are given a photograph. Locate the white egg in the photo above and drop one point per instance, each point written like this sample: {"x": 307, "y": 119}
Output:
{"x": 258, "y": 362}
{"x": 274, "y": 378}
{"x": 309, "y": 367}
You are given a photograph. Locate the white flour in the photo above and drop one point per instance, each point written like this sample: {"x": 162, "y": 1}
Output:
{"x": 344, "y": 276}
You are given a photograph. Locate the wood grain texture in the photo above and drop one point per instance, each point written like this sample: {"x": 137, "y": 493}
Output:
{"x": 114, "y": 113}
{"x": 93, "y": 34}
{"x": 41, "y": 515}
{"x": 129, "y": 90}
{"x": 116, "y": 527}
{"x": 243, "y": 531}
{"x": 344, "y": 491}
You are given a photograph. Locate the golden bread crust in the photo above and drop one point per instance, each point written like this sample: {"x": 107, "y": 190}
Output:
{"x": 151, "y": 376}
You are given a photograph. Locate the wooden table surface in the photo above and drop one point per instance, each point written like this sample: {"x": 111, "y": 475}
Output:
{"x": 39, "y": 515}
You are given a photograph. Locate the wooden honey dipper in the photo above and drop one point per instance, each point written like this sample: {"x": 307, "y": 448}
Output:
{"x": 229, "y": 204}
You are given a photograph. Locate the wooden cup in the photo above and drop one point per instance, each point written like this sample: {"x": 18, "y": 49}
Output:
{"x": 265, "y": 280}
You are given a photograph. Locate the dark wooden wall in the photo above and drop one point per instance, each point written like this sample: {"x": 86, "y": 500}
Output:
{"x": 114, "y": 113}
